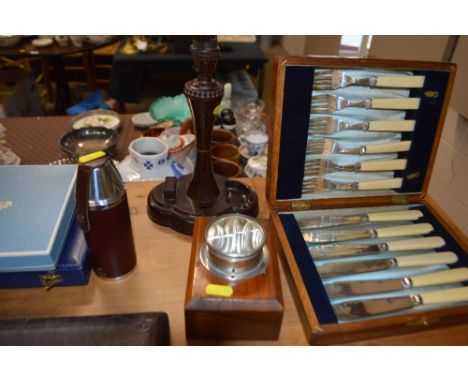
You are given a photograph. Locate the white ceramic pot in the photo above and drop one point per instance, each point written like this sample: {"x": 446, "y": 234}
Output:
{"x": 258, "y": 165}
{"x": 256, "y": 142}
{"x": 148, "y": 155}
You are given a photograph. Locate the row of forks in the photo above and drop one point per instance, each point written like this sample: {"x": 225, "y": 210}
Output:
{"x": 328, "y": 79}
{"x": 322, "y": 126}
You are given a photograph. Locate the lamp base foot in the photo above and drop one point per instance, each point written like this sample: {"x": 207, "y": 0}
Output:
{"x": 169, "y": 205}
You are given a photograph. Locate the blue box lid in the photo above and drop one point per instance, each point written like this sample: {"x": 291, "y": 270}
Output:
{"x": 37, "y": 204}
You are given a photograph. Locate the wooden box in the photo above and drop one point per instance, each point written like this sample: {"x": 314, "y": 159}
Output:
{"x": 292, "y": 198}
{"x": 253, "y": 310}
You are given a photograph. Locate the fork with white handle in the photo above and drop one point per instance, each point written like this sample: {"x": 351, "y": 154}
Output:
{"x": 330, "y": 103}
{"x": 331, "y": 125}
{"x": 318, "y": 185}
{"x": 324, "y": 166}
{"x": 326, "y": 79}
{"x": 331, "y": 146}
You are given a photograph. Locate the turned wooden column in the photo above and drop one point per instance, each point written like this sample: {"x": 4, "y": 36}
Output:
{"x": 204, "y": 94}
{"x": 178, "y": 201}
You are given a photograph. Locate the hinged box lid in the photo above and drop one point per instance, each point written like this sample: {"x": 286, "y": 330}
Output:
{"x": 401, "y": 103}
{"x": 39, "y": 205}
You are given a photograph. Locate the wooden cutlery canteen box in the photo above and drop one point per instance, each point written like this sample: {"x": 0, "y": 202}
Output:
{"x": 350, "y": 158}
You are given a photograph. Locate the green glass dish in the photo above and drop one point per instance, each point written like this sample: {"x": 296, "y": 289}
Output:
{"x": 170, "y": 108}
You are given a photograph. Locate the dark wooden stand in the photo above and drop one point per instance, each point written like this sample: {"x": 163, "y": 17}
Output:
{"x": 253, "y": 311}
{"x": 177, "y": 202}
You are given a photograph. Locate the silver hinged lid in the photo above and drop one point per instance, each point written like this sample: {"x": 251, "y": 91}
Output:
{"x": 105, "y": 186}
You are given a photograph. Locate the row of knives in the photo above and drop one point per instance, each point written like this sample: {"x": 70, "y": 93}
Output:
{"x": 326, "y": 126}
{"x": 327, "y": 237}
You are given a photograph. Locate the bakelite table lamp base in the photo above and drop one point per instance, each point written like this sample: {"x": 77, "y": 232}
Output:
{"x": 176, "y": 202}
{"x": 169, "y": 205}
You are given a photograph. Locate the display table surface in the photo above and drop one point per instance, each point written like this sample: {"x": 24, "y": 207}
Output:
{"x": 36, "y": 139}
{"x": 159, "y": 282}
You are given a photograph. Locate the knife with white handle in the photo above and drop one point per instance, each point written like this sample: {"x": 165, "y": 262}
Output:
{"x": 326, "y": 236}
{"x": 367, "y": 308}
{"x": 359, "y": 288}
{"x": 372, "y": 217}
{"x": 344, "y": 268}
{"x": 328, "y": 251}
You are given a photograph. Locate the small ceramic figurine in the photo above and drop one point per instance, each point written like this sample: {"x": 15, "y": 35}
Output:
{"x": 228, "y": 119}
{"x": 256, "y": 142}
{"x": 149, "y": 160}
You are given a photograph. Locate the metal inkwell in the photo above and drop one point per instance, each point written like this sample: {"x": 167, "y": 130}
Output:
{"x": 234, "y": 247}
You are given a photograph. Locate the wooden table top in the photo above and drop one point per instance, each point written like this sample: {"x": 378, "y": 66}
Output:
{"x": 36, "y": 140}
{"x": 159, "y": 282}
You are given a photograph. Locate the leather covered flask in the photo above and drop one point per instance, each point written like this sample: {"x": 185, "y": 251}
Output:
{"x": 103, "y": 215}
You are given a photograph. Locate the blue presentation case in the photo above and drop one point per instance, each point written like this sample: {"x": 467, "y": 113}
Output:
{"x": 73, "y": 267}
{"x": 37, "y": 204}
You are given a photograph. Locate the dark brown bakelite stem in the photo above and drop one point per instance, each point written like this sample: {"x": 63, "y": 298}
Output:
{"x": 178, "y": 202}
{"x": 204, "y": 94}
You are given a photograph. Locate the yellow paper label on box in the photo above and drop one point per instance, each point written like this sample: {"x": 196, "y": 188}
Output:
{"x": 219, "y": 290}
{"x": 6, "y": 204}
{"x": 92, "y": 156}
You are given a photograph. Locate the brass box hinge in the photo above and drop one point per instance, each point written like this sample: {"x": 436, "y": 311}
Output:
{"x": 399, "y": 199}
{"x": 300, "y": 205}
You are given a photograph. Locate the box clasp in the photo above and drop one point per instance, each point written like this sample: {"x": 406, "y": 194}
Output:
{"x": 50, "y": 280}
{"x": 300, "y": 205}
{"x": 399, "y": 199}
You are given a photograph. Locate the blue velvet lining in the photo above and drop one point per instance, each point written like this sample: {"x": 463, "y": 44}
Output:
{"x": 310, "y": 277}
{"x": 295, "y": 124}
{"x": 451, "y": 243}
{"x": 294, "y": 130}
{"x": 427, "y": 119}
